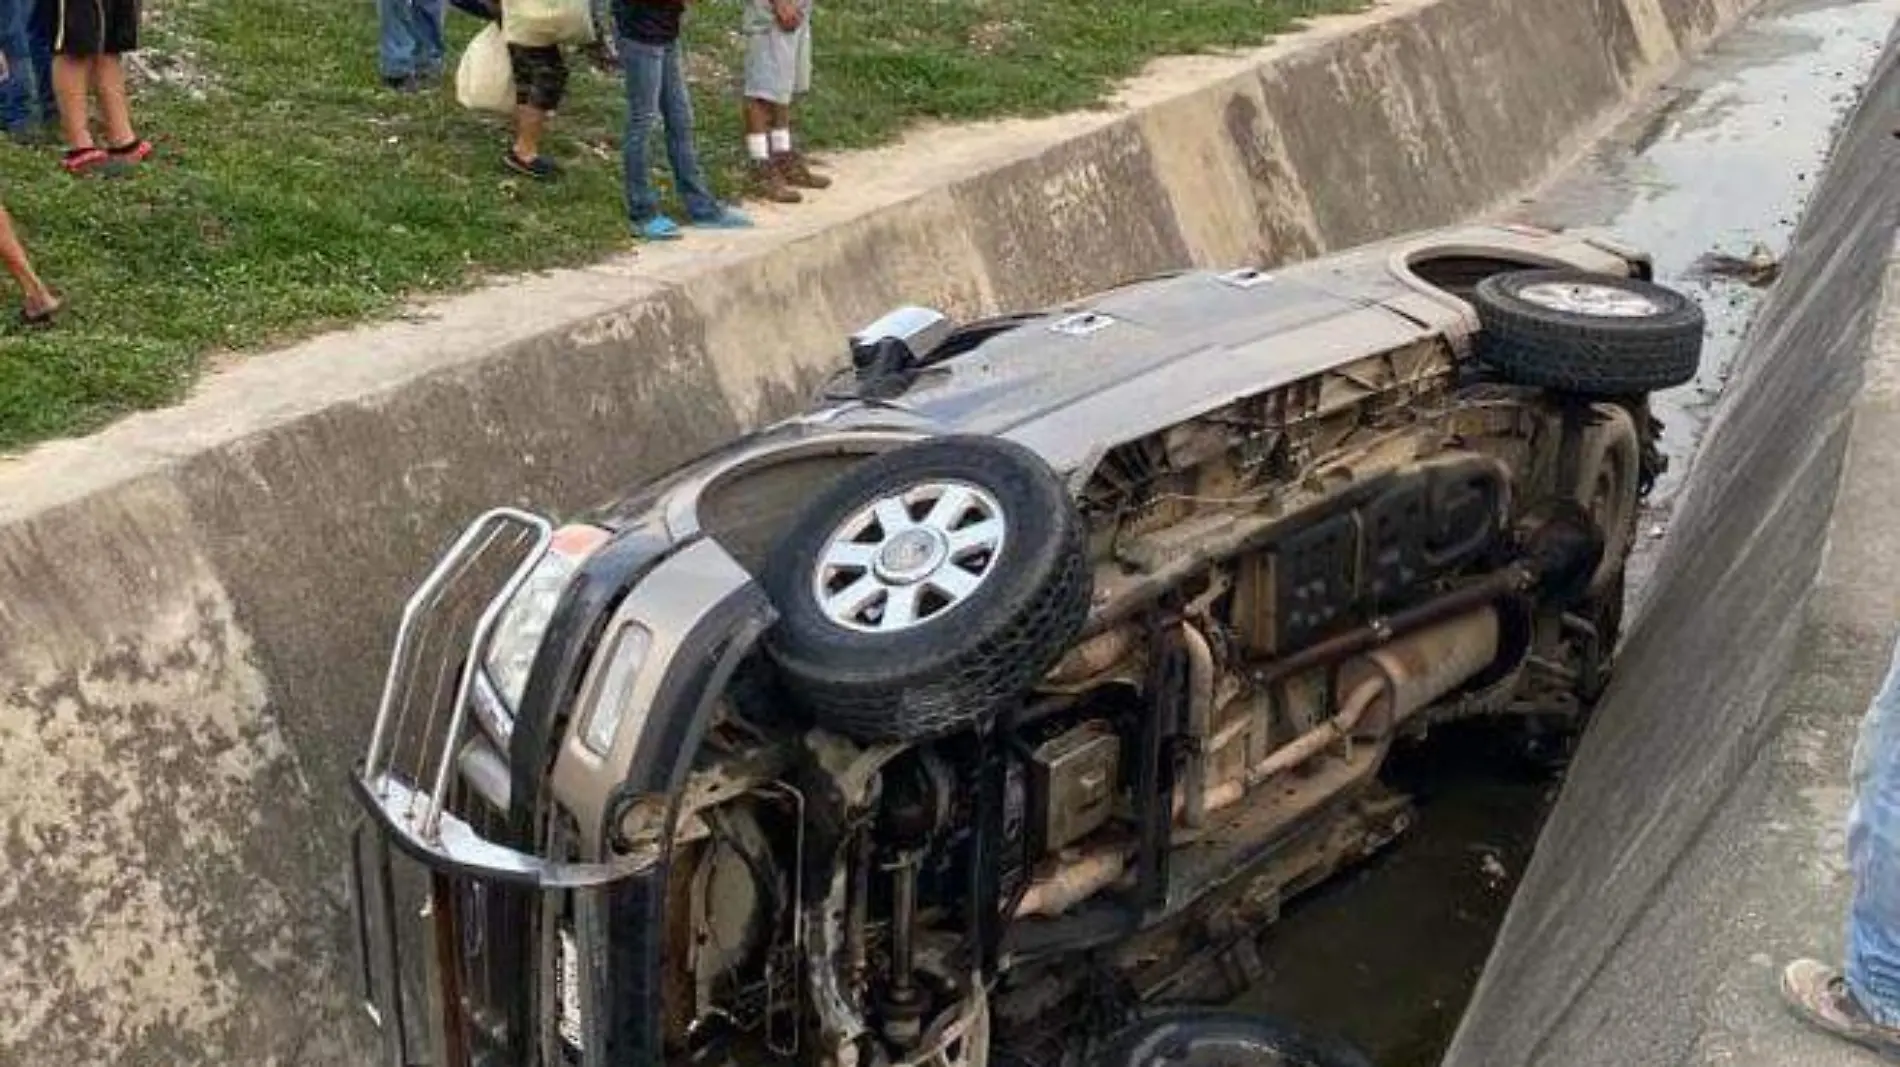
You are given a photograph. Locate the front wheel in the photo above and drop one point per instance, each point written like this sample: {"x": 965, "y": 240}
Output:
{"x": 1587, "y": 334}
{"x": 1197, "y": 1037}
{"x": 927, "y": 589}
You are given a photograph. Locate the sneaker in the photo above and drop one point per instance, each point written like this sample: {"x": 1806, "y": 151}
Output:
{"x": 659, "y": 228}
{"x": 540, "y": 168}
{"x": 1818, "y": 995}
{"x": 400, "y": 83}
{"x": 726, "y": 219}
{"x": 798, "y": 173}
{"x": 765, "y": 181}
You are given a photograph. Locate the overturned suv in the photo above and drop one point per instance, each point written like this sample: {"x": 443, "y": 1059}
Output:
{"x": 1007, "y": 691}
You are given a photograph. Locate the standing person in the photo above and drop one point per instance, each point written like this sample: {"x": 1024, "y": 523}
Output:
{"x": 777, "y": 70}
{"x": 1861, "y": 1001}
{"x": 38, "y": 304}
{"x": 89, "y": 37}
{"x": 411, "y": 48}
{"x": 655, "y": 77}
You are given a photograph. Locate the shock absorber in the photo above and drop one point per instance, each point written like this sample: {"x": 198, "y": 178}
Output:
{"x": 904, "y": 1003}
{"x": 918, "y": 804}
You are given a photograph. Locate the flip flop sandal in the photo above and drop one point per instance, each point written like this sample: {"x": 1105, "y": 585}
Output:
{"x": 136, "y": 152}
{"x": 78, "y": 161}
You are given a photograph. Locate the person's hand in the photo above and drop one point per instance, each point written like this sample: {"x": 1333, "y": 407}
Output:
{"x": 6, "y": 72}
{"x": 786, "y": 11}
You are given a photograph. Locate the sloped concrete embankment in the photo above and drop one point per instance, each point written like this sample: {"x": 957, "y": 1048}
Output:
{"x": 195, "y": 604}
{"x": 1698, "y": 839}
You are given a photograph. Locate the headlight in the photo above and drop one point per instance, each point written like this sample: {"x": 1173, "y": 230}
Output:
{"x": 519, "y": 629}
{"x": 628, "y": 655}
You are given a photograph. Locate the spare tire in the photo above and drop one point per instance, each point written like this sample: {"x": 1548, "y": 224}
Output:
{"x": 1205, "y": 1037}
{"x": 928, "y": 588}
{"x": 1588, "y": 334}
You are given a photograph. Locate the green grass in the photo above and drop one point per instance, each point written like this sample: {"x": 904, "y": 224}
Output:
{"x": 291, "y": 193}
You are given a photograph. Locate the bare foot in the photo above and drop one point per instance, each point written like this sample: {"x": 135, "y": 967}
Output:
{"x": 39, "y": 309}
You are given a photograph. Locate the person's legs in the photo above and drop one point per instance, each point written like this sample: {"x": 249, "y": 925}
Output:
{"x": 676, "y": 109}
{"x": 398, "y": 45}
{"x": 1873, "y": 846}
{"x": 39, "y": 301}
{"x": 72, "y": 78}
{"x": 1861, "y": 1002}
{"x": 540, "y": 86}
{"x": 39, "y": 41}
{"x": 530, "y": 123}
{"x": 790, "y": 161}
{"x": 16, "y": 99}
{"x": 426, "y": 24}
{"x": 768, "y": 78}
{"x": 108, "y": 82}
{"x": 642, "y": 68}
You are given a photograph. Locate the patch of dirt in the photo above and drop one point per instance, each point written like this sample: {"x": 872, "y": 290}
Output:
{"x": 168, "y": 55}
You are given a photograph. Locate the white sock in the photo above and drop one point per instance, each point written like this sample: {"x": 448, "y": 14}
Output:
{"x": 755, "y": 146}
{"x": 781, "y": 142}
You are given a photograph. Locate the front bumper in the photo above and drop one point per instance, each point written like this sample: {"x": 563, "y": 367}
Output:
{"x": 514, "y": 924}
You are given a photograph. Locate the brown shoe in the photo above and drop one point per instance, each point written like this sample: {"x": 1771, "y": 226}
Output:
{"x": 1819, "y": 996}
{"x": 798, "y": 172}
{"x": 765, "y": 181}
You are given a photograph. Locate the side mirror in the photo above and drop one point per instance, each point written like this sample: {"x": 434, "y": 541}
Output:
{"x": 901, "y": 337}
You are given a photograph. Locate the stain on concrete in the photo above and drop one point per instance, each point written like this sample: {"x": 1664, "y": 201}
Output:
{"x": 1085, "y": 216}
{"x": 161, "y": 906}
{"x": 1285, "y": 227}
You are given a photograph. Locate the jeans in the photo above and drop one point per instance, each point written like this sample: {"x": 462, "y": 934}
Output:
{"x": 412, "y": 37}
{"x": 1873, "y": 849}
{"x": 656, "y": 89}
{"x": 29, "y": 67}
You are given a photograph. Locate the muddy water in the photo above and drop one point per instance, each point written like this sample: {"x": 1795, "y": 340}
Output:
{"x": 1710, "y": 176}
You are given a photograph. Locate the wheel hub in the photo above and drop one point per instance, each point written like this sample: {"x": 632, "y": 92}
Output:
{"x": 1583, "y": 298}
{"x": 908, "y": 557}
{"x": 911, "y": 556}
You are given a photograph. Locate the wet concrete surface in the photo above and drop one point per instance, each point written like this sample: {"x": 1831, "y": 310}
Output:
{"x": 1710, "y": 176}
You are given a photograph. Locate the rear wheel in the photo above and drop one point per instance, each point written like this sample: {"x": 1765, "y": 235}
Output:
{"x": 1587, "y": 334}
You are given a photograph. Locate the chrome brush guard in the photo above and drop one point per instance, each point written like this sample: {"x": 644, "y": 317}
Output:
{"x": 404, "y": 784}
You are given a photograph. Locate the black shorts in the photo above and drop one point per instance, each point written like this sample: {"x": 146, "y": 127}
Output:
{"x": 90, "y": 27}
{"x": 540, "y": 76}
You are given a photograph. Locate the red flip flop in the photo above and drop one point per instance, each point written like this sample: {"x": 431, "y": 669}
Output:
{"x": 82, "y": 160}
{"x": 136, "y": 152}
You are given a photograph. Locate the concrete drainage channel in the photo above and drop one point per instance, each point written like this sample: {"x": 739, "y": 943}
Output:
{"x": 195, "y": 601}
{"x": 1712, "y": 176}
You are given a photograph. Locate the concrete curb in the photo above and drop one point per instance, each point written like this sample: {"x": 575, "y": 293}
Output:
{"x": 1697, "y": 842}
{"x": 197, "y": 601}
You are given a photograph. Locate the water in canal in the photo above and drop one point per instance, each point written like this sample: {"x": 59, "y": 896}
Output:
{"x": 1710, "y": 176}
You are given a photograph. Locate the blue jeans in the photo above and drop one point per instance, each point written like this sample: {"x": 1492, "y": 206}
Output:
{"x": 412, "y": 37}
{"x": 1873, "y": 849}
{"x": 29, "y": 67}
{"x": 656, "y": 89}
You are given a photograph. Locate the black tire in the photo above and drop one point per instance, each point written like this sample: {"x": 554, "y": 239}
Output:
{"x": 959, "y": 667}
{"x": 1205, "y": 1037}
{"x": 1588, "y": 354}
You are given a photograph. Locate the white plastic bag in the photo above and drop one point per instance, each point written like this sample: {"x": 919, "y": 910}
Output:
{"x": 537, "y": 23}
{"x": 484, "y": 81}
